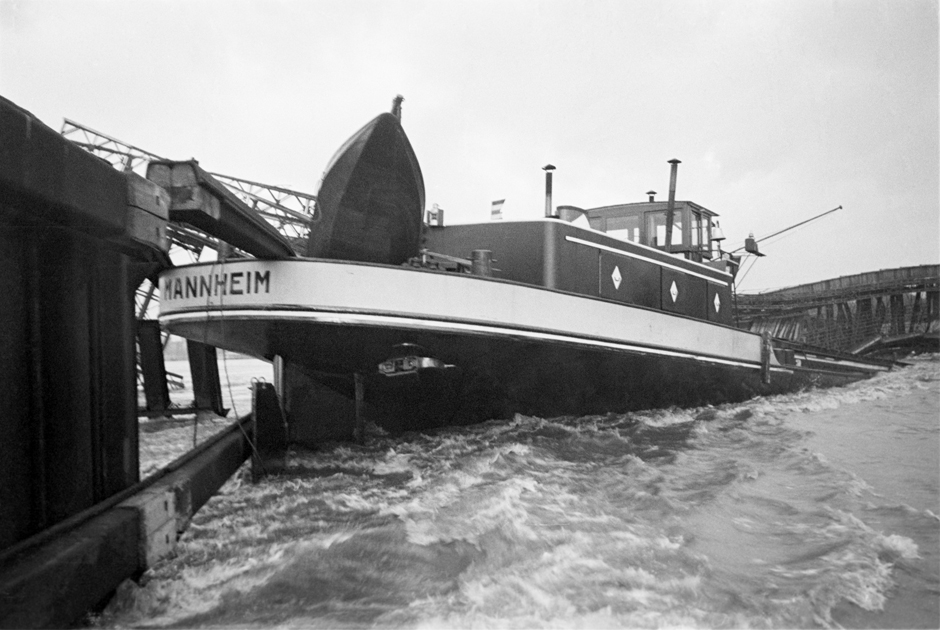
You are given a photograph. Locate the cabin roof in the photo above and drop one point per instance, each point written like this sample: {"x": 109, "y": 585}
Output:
{"x": 638, "y": 208}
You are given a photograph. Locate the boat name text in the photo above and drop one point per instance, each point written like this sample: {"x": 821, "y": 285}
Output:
{"x": 216, "y": 284}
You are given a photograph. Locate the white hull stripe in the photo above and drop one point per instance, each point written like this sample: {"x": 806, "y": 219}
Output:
{"x": 843, "y": 363}
{"x": 386, "y": 321}
{"x": 650, "y": 260}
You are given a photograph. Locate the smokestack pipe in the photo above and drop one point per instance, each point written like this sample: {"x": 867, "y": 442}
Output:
{"x": 548, "y": 168}
{"x": 396, "y": 106}
{"x": 652, "y": 194}
{"x": 671, "y": 208}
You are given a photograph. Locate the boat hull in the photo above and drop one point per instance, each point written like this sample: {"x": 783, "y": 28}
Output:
{"x": 508, "y": 347}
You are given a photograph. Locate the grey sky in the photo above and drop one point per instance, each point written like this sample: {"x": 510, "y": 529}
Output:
{"x": 779, "y": 110}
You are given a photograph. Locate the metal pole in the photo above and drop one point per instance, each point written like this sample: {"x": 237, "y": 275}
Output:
{"x": 795, "y": 225}
{"x": 671, "y": 208}
{"x": 548, "y": 168}
{"x": 280, "y": 385}
{"x": 481, "y": 262}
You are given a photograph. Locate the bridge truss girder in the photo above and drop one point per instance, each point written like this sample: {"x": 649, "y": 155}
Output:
{"x": 291, "y": 212}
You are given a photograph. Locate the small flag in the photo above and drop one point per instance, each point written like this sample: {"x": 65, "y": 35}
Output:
{"x": 497, "y": 212}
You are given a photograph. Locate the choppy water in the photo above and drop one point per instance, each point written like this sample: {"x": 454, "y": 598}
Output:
{"x": 816, "y": 509}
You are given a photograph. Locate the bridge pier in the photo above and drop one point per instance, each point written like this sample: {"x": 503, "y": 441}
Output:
{"x": 915, "y": 312}
{"x": 897, "y": 315}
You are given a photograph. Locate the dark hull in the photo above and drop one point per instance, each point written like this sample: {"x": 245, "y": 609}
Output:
{"x": 370, "y": 204}
{"x": 496, "y": 377}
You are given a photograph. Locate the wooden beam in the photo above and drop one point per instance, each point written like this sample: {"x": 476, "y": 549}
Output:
{"x": 52, "y": 582}
{"x": 55, "y": 584}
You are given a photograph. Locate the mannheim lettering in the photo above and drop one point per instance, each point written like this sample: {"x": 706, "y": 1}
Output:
{"x": 216, "y": 284}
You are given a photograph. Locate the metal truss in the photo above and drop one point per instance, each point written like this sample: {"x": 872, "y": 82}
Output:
{"x": 289, "y": 211}
{"x": 121, "y": 155}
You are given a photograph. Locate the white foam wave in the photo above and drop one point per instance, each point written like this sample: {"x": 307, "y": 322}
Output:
{"x": 897, "y": 546}
{"x": 393, "y": 463}
{"x": 453, "y": 512}
{"x": 603, "y": 521}
{"x": 897, "y": 382}
{"x": 195, "y": 589}
{"x": 668, "y": 417}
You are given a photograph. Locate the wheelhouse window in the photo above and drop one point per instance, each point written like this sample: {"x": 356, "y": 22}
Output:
{"x": 645, "y": 223}
{"x": 627, "y": 228}
{"x": 656, "y": 228}
{"x": 696, "y": 225}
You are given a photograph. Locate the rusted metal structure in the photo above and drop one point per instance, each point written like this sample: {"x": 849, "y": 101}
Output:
{"x": 876, "y": 312}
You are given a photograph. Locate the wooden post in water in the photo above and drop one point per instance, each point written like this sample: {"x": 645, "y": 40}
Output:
{"x": 269, "y": 432}
{"x": 359, "y": 430}
{"x": 765, "y": 351}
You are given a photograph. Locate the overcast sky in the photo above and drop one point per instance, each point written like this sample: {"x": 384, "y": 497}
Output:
{"x": 779, "y": 110}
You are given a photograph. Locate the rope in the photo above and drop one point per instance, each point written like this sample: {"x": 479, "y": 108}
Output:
{"x": 228, "y": 380}
{"x": 739, "y": 280}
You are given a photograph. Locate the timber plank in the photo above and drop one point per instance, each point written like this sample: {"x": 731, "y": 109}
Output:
{"x": 57, "y": 583}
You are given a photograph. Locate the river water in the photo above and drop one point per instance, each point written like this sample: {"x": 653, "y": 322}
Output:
{"x": 814, "y": 509}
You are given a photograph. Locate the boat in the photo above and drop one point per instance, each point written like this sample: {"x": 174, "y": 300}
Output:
{"x": 397, "y": 319}
{"x": 370, "y": 202}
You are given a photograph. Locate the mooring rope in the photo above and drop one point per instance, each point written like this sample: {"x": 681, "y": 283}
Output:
{"x": 228, "y": 380}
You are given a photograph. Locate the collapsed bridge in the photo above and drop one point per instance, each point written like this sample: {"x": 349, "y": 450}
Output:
{"x": 888, "y": 312}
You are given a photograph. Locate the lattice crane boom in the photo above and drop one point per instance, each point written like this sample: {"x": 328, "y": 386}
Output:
{"x": 289, "y": 211}
{"x": 121, "y": 155}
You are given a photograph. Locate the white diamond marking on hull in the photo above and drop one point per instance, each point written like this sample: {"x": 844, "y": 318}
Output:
{"x": 674, "y": 291}
{"x": 616, "y": 277}
{"x": 717, "y": 303}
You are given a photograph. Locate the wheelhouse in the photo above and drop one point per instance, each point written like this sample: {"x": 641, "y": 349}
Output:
{"x": 694, "y": 229}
